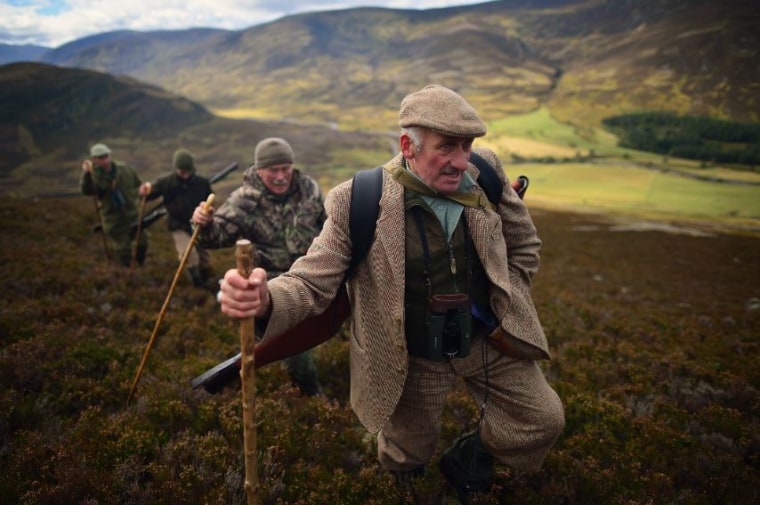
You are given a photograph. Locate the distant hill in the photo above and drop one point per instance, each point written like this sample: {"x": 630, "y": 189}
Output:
{"x": 585, "y": 59}
{"x": 130, "y": 52}
{"x": 49, "y": 116}
{"x": 45, "y": 109}
{"x": 10, "y": 53}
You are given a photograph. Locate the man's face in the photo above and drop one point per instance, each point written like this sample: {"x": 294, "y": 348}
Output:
{"x": 276, "y": 178}
{"x": 441, "y": 161}
{"x": 103, "y": 161}
{"x": 183, "y": 174}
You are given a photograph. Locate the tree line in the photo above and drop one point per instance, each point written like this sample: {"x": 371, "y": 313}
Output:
{"x": 691, "y": 137}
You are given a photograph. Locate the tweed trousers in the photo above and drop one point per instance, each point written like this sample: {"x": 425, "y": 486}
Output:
{"x": 523, "y": 414}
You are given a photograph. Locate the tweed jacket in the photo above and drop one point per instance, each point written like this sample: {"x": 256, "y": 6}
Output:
{"x": 505, "y": 240}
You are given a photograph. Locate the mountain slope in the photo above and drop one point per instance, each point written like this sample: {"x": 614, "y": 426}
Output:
{"x": 10, "y": 53}
{"x": 46, "y": 109}
{"x": 587, "y": 59}
{"x": 49, "y": 116}
{"x": 697, "y": 57}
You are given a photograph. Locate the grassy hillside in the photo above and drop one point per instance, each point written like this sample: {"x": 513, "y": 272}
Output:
{"x": 52, "y": 115}
{"x": 583, "y": 168}
{"x": 585, "y": 59}
{"x": 654, "y": 338}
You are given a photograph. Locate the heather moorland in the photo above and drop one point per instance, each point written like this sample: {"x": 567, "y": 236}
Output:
{"x": 654, "y": 333}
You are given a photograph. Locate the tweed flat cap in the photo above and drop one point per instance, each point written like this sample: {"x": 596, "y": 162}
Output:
{"x": 273, "y": 151}
{"x": 99, "y": 150}
{"x": 442, "y": 110}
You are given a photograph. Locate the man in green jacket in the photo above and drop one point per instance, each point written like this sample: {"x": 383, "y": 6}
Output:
{"x": 280, "y": 210}
{"x": 181, "y": 192}
{"x": 115, "y": 186}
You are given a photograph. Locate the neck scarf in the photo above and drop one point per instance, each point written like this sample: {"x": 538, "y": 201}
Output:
{"x": 409, "y": 181}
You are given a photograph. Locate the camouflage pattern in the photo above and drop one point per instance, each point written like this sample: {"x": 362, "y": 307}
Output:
{"x": 117, "y": 195}
{"x": 281, "y": 227}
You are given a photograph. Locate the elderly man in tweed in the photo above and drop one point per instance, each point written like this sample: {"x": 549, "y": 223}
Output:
{"x": 446, "y": 270}
{"x": 280, "y": 210}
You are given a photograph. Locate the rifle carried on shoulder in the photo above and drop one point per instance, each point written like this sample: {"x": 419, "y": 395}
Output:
{"x": 158, "y": 211}
{"x": 365, "y": 199}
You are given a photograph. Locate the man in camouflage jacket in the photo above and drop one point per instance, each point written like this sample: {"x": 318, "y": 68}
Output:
{"x": 280, "y": 210}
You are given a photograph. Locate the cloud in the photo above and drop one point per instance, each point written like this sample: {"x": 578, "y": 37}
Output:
{"x": 54, "y": 22}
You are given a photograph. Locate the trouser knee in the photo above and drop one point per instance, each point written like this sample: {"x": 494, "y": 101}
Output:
{"x": 525, "y": 442}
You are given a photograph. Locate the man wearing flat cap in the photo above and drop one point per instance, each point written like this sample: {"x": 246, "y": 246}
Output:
{"x": 115, "y": 186}
{"x": 280, "y": 210}
{"x": 447, "y": 270}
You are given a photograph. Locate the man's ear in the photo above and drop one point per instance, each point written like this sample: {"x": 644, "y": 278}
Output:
{"x": 407, "y": 146}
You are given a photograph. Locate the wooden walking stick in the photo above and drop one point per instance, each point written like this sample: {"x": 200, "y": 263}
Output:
{"x": 206, "y": 205}
{"x": 106, "y": 249}
{"x": 140, "y": 212}
{"x": 244, "y": 260}
{"x": 143, "y": 199}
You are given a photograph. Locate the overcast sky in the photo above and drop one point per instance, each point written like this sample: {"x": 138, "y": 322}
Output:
{"x": 52, "y": 23}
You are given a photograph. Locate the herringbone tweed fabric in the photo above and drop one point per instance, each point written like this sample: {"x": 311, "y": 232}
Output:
{"x": 506, "y": 242}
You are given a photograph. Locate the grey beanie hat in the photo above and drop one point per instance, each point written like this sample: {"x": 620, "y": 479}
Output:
{"x": 183, "y": 159}
{"x": 273, "y": 151}
{"x": 99, "y": 150}
{"x": 442, "y": 110}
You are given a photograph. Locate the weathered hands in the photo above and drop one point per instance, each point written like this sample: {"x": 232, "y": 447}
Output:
{"x": 201, "y": 216}
{"x": 241, "y": 297}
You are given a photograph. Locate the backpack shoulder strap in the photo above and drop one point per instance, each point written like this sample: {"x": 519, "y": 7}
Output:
{"x": 367, "y": 188}
{"x": 365, "y": 207}
{"x": 490, "y": 182}
{"x": 487, "y": 179}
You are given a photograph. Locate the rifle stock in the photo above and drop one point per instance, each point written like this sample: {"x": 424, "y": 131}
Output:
{"x": 223, "y": 172}
{"x": 305, "y": 335}
{"x": 520, "y": 185}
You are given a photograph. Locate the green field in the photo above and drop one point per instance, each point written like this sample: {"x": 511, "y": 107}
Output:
{"x": 639, "y": 189}
{"x": 541, "y": 126}
{"x": 584, "y": 169}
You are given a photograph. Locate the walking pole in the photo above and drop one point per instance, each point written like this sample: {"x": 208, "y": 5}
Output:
{"x": 244, "y": 260}
{"x": 206, "y": 205}
{"x": 143, "y": 199}
{"x": 106, "y": 249}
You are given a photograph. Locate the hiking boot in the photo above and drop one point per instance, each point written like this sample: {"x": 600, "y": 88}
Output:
{"x": 467, "y": 466}
{"x": 195, "y": 277}
{"x": 405, "y": 478}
